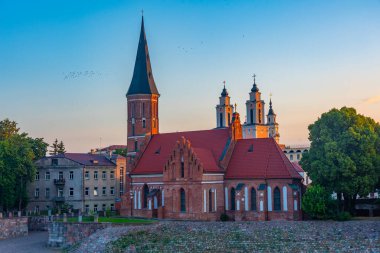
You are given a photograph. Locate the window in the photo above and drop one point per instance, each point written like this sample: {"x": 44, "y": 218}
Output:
{"x": 143, "y": 123}
{"x": 95, "y": 191}
{"x": 37, "y": 176}
{"x": 143, "y": 109}
{"x": 86, "y": 191}
{"x": 54, "y": 162}
{"x": 277, "y": 199}
{"x": 136, "y": 145}
{"x": 71, "y": 192}
{"x": 112, "y": 174}
{"x": 104, "y": 190}
{"x": 87, "y": 175}
{"x": 112, "y": 207}
{"x": 104, "y": 207}
{"x": 253, "y": 199}
{"x": 182, "y": 167}
{"x": 47, "y": 175}
{"x": 233, "y": 199}
{"x": 220, "y": 119}
{"x": 104, "y": 175}
{"x": 229, "y": 118}
{"x": 145, "y": 196}
{"x": 112, "y": 191}
{"x": 60, "y": 192}
{"x": 60, "y": 175}
{"x": 71, "y": 175}
{"x": 37, "y": 193}
{"x": 210, "y": 200}
{"x": 183, "y": 200}
{"x": 259, "y": 116}
{"x": 251, "y": 115}
{"x": 133, "y": 129}
{"x": 291, "y": 157}
{"x": 95, "y": 208}
{"x": 47, "y": 193}
{"x": 95, "y": 175}
{"x": 87, "y": 208}
{"x": 298, "y": 156}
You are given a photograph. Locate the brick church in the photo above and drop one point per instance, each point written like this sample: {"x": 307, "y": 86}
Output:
{"x": 235, "y": 169}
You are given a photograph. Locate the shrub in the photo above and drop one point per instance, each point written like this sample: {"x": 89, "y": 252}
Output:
{"x": 224, "y": 217}
{"x": 343, "y": 216}
{"x": 315, "y": 202}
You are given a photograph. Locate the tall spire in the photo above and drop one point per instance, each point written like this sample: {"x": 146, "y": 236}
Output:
{"x": 142, "y": 80}
{"x": 224, "y": 92}
{"x": 270, "y": 112}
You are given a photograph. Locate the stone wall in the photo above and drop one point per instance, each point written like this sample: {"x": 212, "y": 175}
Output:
{"x": 64, "y": 234}
{"x": 39, "y": 223}
{"x": 13, "y": 227}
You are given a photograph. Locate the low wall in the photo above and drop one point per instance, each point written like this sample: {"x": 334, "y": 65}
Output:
{"x": 13, "y": 227}
{"x": 63, "y": 234}
{"x": 39, "y": 223}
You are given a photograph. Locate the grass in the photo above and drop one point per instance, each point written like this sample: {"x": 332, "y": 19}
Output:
{"x": 120, "y": 220}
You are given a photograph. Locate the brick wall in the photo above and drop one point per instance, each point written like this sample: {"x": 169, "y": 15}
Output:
{"x": 13, "y": 227}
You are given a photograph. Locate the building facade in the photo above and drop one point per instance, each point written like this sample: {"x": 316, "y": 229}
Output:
{"x": 86, "y": 182}
{"x": 234, "y": 169}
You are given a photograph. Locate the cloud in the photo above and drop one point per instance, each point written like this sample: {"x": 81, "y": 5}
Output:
{"x": 372, "y": 100}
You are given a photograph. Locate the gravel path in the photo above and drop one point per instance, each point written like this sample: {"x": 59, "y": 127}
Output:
{"x": 274, "y": 236}
{"x": 34, "y": 242}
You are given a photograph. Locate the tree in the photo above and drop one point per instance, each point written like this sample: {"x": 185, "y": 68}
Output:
{"x": 18, "y": 152}
{"x": 344, "y": 155}
{"x": 61, "y": 148}
{"x": 54, "y": 146}
{"x": 315, "y": 202}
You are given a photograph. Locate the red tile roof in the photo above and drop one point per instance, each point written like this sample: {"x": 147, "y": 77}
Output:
{"x": 208, "y": 145}
{"x": 266, "y": 160}
{"x": 297, "y": 167}
{"x": 86, "y": 159}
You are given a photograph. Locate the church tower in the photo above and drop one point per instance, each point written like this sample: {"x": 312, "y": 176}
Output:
{"x": 142, "y": 99}
{"x": 272, "y": 124}
{"x": 255, "y": 126}
{"x": 224, "y": 110}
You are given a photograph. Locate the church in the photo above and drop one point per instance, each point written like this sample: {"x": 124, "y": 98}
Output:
{"x": 234, "y": 169}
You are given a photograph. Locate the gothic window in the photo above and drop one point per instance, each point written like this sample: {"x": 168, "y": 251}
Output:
{"x": 182, "y": 167}
{"x": 145, "y": 196}
{"x": 210, "y": 200}
{"x": 233, "y": 201}
{"x": 253, "y": 199}
{"x": 143, "y": 109}
{"x": 183, "y": 200}
{"x": 251, "y": 115}
{"x": 220, "y": 119}
{"x": 136, "y": 145}
{"x": 229, "y": 118}
{"x": 143, "y": 123}
{"x": 277, "y": 199}
{"x": 133, "y": 129}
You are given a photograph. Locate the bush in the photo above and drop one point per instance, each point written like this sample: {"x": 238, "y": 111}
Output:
{"x": 343, "y": 216}
{"x": 224, "y": 217}
{"x": 316, "y": 201}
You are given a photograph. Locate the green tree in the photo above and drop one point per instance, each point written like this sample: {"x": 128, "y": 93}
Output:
{"x": 344, "y": 155}
{"x": 121, "y": 151}
{"x": 17, "y": 155}
{"x": 315, "y": 202}
{"x": 61, "y": 148}
{"x": 54, "y": 146}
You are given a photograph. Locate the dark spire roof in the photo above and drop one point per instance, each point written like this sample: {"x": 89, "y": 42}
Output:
{"x": 270, "y": 112}
{"x": 224, "y": 92}
{"x": 142, "y": 80}
{"x": 254, "y": 88}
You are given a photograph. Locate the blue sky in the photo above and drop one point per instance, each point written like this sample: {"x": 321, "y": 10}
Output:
{"x": 65, "y": 66}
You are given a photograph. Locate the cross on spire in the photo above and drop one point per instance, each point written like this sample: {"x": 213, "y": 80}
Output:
{"x": 235, "y": 107}
{"x": 254, "y": 78}
{"x": 224, "y": 84}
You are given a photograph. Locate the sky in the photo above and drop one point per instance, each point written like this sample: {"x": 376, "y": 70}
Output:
{"x": 65, "y": 66}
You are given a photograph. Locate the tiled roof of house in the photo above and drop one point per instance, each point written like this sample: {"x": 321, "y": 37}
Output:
{"x": 86, "y": 159}
{"x": 259, "y": 158}
{"x": 208, "y": 145}
{"x": 297, "y": 167}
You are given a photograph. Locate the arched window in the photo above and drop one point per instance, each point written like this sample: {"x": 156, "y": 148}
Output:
{"x": 145, "y": 196}
{"x": 251, "y": 115}
{"x": 233, "y": 201}
{"x": 136, "y": 146}
{"x": 253, "y": 199}
{"x": 210, "y": 200}
{"x": 182, "y": 167}
{"x": 229, "y": 118}
{"x": 220, "y": 119}
{"x": 277, "y": 199}
{"x": 260, "y": 116}
{"x": 183, "y": 200}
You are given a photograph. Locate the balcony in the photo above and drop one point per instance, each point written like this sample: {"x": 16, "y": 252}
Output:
{"x": 59, "y": 199}
{"x": 60, "y": 181}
